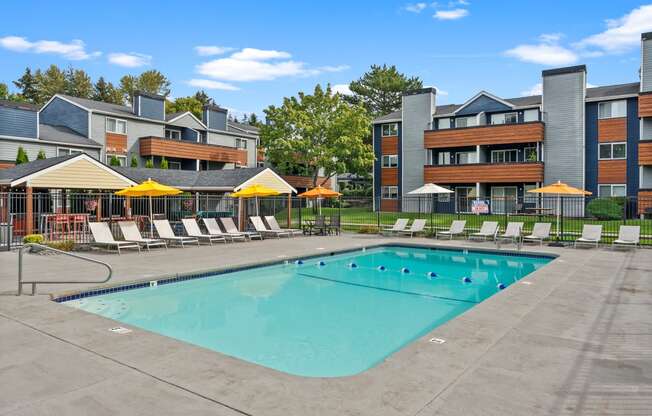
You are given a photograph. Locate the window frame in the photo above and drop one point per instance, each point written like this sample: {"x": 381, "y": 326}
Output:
{"x": 70, "y": 150}
{"x": 107, "y": 158}
{"x": 389, "y": 159}
{"x": 172, "y": 163}
{"x": 106, "y": 125}
{"x": 382, "y": 130}
{"x": 503, "y": 151}
{"x": 172, "y": 131}
{"x": 611, "y": 190}
{"x": 531, "y": 110}
{"x": 475, "y": 118}
{"x": 468, "y": 152}
{"x": 389, "y": 189}
{"x": 239, "y": 140}
{"x": 439, "y": 120}
{"x": 611, "y": 151}
{"x": 447, "y": 158}
{"x": 610, "y": 103}
{"x": 504, "y": 116}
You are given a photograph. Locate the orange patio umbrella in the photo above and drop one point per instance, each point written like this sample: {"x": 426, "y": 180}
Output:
{"x": 319, "y": 193}
{"x": 559, "y": 188}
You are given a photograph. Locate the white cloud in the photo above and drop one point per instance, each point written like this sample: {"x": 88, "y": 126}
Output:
{"x": 623, "y": 33}
{"x": 252, "y": 54}
{"x": 336, "y": 68}
{"x": 342, "y": 89}
{"x": 551, "y": 37}
{"x": 212, "y": 50}
{"x": 212, "y": 85}
{"x": 543, "y": 53}
{"x": 75, "y": 50}
{"x": 416, "y": 7}
{"x": 451, "y": 14}
{"x": 130, "y": 60}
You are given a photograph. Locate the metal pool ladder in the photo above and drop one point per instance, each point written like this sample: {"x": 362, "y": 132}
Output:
{"x": 21, "y": 282}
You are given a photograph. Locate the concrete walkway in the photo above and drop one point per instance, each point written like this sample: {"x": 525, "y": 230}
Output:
{"x": 576, "y": 340}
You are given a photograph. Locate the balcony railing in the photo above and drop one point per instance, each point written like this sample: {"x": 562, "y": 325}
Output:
{"x": 530, "y": 132}
{"x": 484, "y": 173}
{"x": 159, "y": 146}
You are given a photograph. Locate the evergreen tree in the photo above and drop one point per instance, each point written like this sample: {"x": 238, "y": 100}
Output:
{"x": 164, "y": 163}
{"x": 21, "y": 156}
{"x": 149, "y": 163}
{"x": 380, "y": 89}
{"x": 106, "y": 92}
{"x": 41, "y": 155}
{"x": 27, "y": 85}
{"x": 151, "y": 81}
{"x": 134, "y": 161}
{"x": 52, "y": 81}
{"x": 114, "y": 161}
{"x": 253, "y": 120}
{"x": 78, "y": 83}
{"x": 203, "y": 98}
{"x": 245, "y": 119}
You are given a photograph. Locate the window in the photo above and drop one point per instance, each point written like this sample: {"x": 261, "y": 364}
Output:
{"x": 390, "y": 129}
{"x": 115, "y": 125}
{"x": 612, "y": 109}
{"x": 389, "y": 192}
{"x": 504, "y": 118}
{"x": 530, "y": 154}
{"x": 531, "y": 115}
{"x": 174, "y": 165}
{"x": 504, "y": 156}
{"x": 611, "y": 190}
{"x": 613, "y": 151}
{"x": 241, "y": 143}
{"x": 444, "y": 197}
{"x": 444, "y": 158}
{"x": 65, "y": 151}
{"x": 466, "y": 121}
{"x": 172, "y": 134}
{"x": 444, "y": 123}
{"x": 463, "y": 158}
{"x": 390, "y": 161}
{"x": 121, "y": 158}
{"x": 529, "y": 197}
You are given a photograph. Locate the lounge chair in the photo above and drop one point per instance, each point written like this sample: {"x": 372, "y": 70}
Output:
{"x": 512, "y": 233}
{"x": 259, "y": 226}
{"x": 398, "y": 226}
{"x": 131, "y": 233}
{"x": 230, "y": 228}
{"x": 489, "y": 229}
{"x": 193, "y": 230}
{"x": 540, "y": 232}
{"x": 214, "y": 229}
{"x": 165, "y": 232}
{"x": 456, "y": 228}
{"x": 591, "y": 235}
{"x": 273, "y": 225}
{"x": 417, "y": 227}
{"x": 628, "y": 235}
{"x": 103, "y": 237}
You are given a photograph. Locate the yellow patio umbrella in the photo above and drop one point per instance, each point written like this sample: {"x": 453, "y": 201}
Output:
{"x": 319, "y": 193}
{"x": 149, "y": 188}
{"x": 559, "y": 188}
{"x": 255, "y": 191}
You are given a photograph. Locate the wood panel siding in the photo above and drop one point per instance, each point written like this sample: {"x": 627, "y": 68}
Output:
{"x": 305, "y": 181}
{"x": 645, "y": 105}
{"x": 483, "y": 135}
{"x": 116, "y": 143}
{"x": 80, "y": 174}
{"x": 389, "y": 145}
{"x": 645, "y": 153}
{"x": 389, "y": 176}
{"x": 644, "y": 202}
{"x": 156, "y": 146}
{"x": 612, "y": 171}
{"x": 612, "y": 130}
{"x": 485, "y": 173}
{"x": 7, "y": 165}
{"x": 389, "y": 205}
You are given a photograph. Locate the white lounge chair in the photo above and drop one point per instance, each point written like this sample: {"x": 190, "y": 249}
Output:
{"x": 628, "y": 235}
{"x": 398, "y": 226}
{"x": 131, "y": 233}
{"x": 540, "y": 232}
{"x": 512, "y": 233}
{"x": 456, "y": 228}
{"x": 417, "y": 227}
{"x": 591, "y": 235}
{"x": 103, "y": 237}
{"x": 273, "y": 225}
{"x": 193, "y": 230}
{"x": 489, "y": 229}
{"x": 230, "y": 228}
{"x": 259, "y": 226}
{"x": 213, "y": 228}
{"x": 165, "y": 232}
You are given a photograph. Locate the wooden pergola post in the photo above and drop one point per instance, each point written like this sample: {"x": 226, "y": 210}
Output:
{"x": 128, "y": 207}
{"x": 241, "y": 214}
{"x": 98, "y": 210}
{"x": 29, "y": 210}
{"x": 290, "y": 210}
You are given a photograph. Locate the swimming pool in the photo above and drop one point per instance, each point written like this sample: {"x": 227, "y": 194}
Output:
{"x": 326, "y": 316}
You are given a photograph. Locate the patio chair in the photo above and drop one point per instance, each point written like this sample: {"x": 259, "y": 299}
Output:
{"x": 417, "y": 227}
{"x": 628, "y": 235}
{"x": 398, "y": 226}
{"x": 214, "y": 229}
{"x": 274, "y": 226}
{"x": 259, "y": 226}
{"x": 591, "y": 235}
{"x": 193, "y": 230}
{"x": 540, "y": 232}
{"x": 512, "y": 233}
{"x": 335, "y": 224}
{"x": 489, "y": 229}
{"x": 130, "y": 232}
{"x": 230, "y": 228}
{"x": 456, "y": 228}
{"x": 103, "y": 237}
{"x": 165, "y": 232}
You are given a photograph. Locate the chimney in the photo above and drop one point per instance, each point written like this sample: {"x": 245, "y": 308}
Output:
{"x": 149, "y": 105}
{"x": 214, "y": 117}
{"x": 646, "y": 62}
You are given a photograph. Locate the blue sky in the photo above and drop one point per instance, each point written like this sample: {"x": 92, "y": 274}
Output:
{"x": 254, "y": 53}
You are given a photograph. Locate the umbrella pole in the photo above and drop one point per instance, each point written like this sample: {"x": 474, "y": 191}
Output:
{"x": 558, "y": 213}
{"x": 151, "y": 219}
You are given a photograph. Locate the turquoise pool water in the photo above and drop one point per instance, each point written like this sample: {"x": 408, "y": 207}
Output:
{"x": 317, "y": 320}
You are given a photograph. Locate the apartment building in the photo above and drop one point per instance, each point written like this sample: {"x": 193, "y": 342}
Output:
{"x": 495, "y": 148}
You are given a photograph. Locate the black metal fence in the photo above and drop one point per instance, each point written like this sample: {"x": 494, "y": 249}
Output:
{"x": 60, "y": 215}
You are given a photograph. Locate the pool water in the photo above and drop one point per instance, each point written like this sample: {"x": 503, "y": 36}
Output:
{"x": 337, "y": 318}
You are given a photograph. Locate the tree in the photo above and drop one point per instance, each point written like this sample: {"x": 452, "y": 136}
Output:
{"x": 164, "y": 163}
{"x": 134, "y": 161}
{"x": 78, "y": 83}
{"x": 203, "y": 98}
{"x": 40, "y": 155}
{"x": 105, "y": 91}
{"x": 21, "y": 156}
{"x": 114, "y": 161}
{"x": 52, "y": 81}
{"x": 318, "y": 132}
{"x": 191, "y": 104}
{"x": 151, "y": 81}
{"x": 253, "y": 120}
{"x": 380, "y": 89}
{"x": 27, "y": 85}
{"x": 149, "y": 163}
{"x": 4, "y": 91}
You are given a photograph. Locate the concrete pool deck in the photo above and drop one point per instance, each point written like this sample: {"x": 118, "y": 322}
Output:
{"x": 576, "y": 340}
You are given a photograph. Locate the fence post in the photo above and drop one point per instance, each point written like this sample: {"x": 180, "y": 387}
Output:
{"x": 378, "y": 216}
{"x": 300, "y": 209}
{"x": 561, "y": 219}
{"x": 10, "y": 236}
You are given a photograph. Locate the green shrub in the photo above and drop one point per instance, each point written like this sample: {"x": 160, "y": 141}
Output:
{"x": 368, "y": 229}
{"x": 134, "y": 161}
{"x": 149, "y": 163}
{"x": 33, "y": 238}
{"x": 164, "y": 163}
{"x": 605, "y": 208}
{"x": 63, "y": 245}
{"x": 21, "y": 156}
{"x": 41, "y": 155}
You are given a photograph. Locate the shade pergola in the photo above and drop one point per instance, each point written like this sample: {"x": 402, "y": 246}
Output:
{"x": 149, "y": 188}
{"x": 560, "y": 189}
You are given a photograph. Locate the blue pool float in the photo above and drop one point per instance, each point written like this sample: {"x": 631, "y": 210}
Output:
{"x": 500, "y": 286}
{"x": 381, "y": 268}
{"x": 405, "y": 270}
{"x": 432, "y": 274}
{"x": 466, "y": 279}
{"x": 321, "y": 263}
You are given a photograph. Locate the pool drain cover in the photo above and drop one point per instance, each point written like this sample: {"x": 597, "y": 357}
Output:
{"x": 437, "y": 340}
{"x": 120, "y": 330}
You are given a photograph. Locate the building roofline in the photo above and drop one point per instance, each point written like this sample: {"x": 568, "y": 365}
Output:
{"x": 646, "y": 36}
{"x": 564, "y": 70}
{"x": 418, "y": 91}
{"x": 149, "y": 95}
{"x": 215, "y": 108}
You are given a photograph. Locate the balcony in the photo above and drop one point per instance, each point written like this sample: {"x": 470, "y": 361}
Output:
{"x": 645, "y": 104}
{"x": 159, "y": 146}
{"x": 529, "y": 132}
{"x": 645, "y": 153}
{"x": 485, "y": 173}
